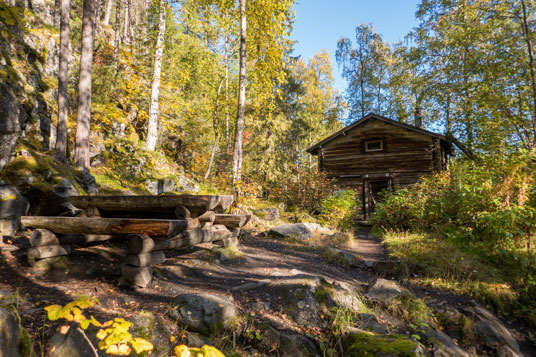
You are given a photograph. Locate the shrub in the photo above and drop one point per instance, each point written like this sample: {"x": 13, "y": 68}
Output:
{"x": 339, "y": 210}
{"x": 307, "y": 190}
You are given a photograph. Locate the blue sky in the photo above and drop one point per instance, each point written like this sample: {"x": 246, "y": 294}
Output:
{"x": 320, "y": 23}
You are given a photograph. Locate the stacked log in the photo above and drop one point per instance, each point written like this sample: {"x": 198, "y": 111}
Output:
{"x": 45, "y": 244}
{"x": 187, "y": 220}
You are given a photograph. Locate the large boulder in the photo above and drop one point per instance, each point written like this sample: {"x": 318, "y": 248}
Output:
{"x": 13, "y": 120}
{"x": 370, "y": 344}
{"x": 341, "y": 257}
{"x": 300, "y": 231}
{"x": 56, "y": 203}
{"x": 153, "y": 329}
{"x": 288, "y": 343}
{"x": 492, "y": 332}
{"x": 73, "y": 344}
{"x": 12, "y": 206}
{"x": 385, "y": 290}
{"x": 204, "y": 313}
{"x": 159, "y": 186}
{"x": 268, "y": 214}
{"x": 9, "y": 335}
{"x": 305, "y": 298}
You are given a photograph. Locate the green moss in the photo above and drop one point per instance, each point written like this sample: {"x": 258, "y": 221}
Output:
{"x": 322, "y": 292}
{"x": 25, "y": 342}
{"x": 411, "y": 309}
{"x": 364, "y": 343}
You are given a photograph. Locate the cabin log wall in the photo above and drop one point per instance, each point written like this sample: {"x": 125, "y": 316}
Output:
{"x": 406, "y": 157}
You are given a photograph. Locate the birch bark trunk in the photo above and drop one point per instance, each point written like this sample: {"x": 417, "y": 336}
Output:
{"x": 241, "y": 107}
{"x": 155, "y": 90}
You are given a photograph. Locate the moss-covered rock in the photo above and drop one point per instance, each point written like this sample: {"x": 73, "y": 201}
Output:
{"x": 9, "y": 335}
{"x": 367, "y": 343}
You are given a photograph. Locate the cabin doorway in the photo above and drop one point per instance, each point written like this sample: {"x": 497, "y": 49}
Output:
{"x": 371, "y": 193}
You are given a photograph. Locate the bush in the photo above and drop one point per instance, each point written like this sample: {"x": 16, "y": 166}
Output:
{"x": 339, "y": 210}
{"x": 488, "y": 210}
{"x": 307, "y": 190}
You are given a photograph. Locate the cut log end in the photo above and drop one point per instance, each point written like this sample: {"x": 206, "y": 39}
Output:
{"x": 137, "y": 276}
{"x": 43, "y": 237}
{"x": 139, "y": 244}
{"x": 143, "y": 260}
{"x": 49, "y": 251}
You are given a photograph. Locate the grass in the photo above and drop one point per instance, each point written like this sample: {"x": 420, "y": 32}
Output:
{"x": 446, "y": 264}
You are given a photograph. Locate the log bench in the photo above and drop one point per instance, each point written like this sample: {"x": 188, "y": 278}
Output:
{"x": 190, "y": 220}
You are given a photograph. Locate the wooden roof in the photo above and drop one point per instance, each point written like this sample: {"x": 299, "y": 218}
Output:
{"x": 313, "y": 149}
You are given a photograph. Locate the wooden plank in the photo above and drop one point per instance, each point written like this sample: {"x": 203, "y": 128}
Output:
{"x": 156, "y": 228}
{"x": 153, "y": 203}
{"x": 232, "y": 220}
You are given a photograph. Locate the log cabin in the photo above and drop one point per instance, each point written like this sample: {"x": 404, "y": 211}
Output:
{"x": 376, "y": 153}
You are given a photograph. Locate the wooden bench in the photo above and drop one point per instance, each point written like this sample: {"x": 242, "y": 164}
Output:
{"x": 189, "y": 220}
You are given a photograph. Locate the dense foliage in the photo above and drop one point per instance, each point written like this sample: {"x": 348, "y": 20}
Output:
{"x": 487, "y": 208}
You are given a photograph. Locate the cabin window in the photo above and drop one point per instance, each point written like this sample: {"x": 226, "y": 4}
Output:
{"x": 373, "y": 145}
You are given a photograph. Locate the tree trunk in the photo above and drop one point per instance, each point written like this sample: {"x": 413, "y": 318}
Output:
{"x": 60, "y": 150}
{"x": 216, "y": 132}
{"x": 98, "y": 11}
{"x": 57, "y": 10}
{"x": 155, "y": 90}
{"x": 126, "y": 22}
{"x": 532, "y": 65}
{"x": 81, "y": 157}
{"x": 226, "y": 60}
{"x": 107, "y": 13}
{"x": 117, "y": 38}
{"x": 241, "y": 107}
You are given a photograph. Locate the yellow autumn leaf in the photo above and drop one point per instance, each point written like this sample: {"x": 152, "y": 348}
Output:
{"x": 141, "y": 345}
{"x": 101, "y": 335}
{"x": 182, "y": 351}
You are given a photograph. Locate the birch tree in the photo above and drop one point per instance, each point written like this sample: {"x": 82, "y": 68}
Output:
{"x": 241, "y": 106}
{"x": 155, "y": 88}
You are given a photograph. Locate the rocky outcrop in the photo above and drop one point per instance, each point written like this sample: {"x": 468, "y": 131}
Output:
{"x": 300, "y": 231}
{"x": 204, "y": 313}
{"x": 12, "y": 206}
{"x": 9, "y": 335}
{"x": 288, "y": 343}
{"x": 25, "y": 59}
{"x": 73, "y": 344}
{"x": 13, "y": 120}
{"x": 268, "y": 214}
{"x": 341, "y": 257}
{"x": 385, "y": 290}
{"x": 492, "y": 332}
{"x": 55, "y": 202}
{"x": 153, "y": 329}
{"x": 361, "y": 343}
{"x": 157, "y": 187}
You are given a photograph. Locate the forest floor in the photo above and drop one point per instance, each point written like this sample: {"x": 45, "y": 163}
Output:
{"x": 94, "y": 271}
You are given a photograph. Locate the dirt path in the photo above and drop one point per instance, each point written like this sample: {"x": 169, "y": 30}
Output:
{"x": 369, "y": 247}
